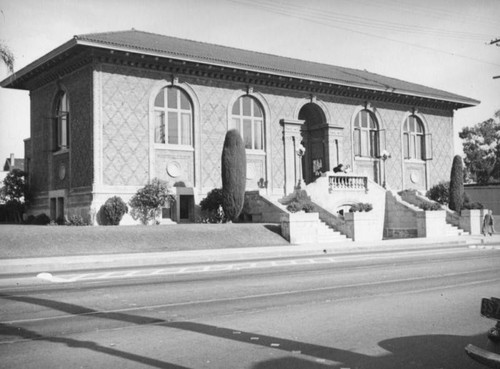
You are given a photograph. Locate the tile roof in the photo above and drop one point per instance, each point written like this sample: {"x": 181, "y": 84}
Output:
{"x": 176, "y": 48}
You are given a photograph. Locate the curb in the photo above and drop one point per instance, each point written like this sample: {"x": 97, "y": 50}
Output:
{"x": 30, "y": 266}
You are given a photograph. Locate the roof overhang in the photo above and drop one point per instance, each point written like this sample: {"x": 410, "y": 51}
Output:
{"x": 13, "y": 81}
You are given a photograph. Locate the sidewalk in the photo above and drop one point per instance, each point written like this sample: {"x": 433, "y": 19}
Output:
{"x": 33, "y": 266}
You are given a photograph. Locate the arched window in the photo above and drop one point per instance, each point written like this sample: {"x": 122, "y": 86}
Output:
{"x": 366, "y": 135}
{"x": 173, "y": 117}
{"x": 61, "y": 124}
{"x": 247, "y": 117}
{"x": 413, "y": 138}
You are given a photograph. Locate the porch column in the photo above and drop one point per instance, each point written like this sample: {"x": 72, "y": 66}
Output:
{"x": 291, "y": 141}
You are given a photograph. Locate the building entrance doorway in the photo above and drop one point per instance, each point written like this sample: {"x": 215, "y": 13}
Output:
{"x": 315, "y": 140}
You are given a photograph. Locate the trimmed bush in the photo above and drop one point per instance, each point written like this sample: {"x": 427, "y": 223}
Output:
{"x": 456, "y": 184}
{"x": 439, "y": 193}
{"x": 114, "y": 209}
{"x": 234, "y": 167}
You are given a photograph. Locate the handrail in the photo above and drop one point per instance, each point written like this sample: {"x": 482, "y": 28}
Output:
{"x": 347, "y": 182}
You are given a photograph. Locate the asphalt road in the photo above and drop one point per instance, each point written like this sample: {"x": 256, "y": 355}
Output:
{"x": 415, "y": 309}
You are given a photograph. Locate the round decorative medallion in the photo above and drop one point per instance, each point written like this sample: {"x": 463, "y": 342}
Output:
{"x": 174, "y": 169}
{"x": 414, "y": 177}
{"x": 62, "y": 172}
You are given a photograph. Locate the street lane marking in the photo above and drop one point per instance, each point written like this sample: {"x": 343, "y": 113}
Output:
{"x": 289, "y": 292}
{"x": 236, "y": 266}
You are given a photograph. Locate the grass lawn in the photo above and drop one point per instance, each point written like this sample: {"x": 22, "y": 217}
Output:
{"x": 35, "y": 241}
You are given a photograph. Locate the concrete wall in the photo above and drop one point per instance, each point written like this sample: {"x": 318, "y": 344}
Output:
{"x": 489, "y": 196}
{"x": 400, "y": 217}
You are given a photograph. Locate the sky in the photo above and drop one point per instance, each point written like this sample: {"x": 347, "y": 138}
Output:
{"x": 443, "y": 44}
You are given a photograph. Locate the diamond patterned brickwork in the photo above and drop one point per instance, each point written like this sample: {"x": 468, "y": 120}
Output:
{"x": 213, "y": 127}
{"x": 441, "y": 128}
{"x": 41, "y": 139}
{"x": 80, "y": 99}
{"x": 125, "y": 99}
{"x": 392, "y": 120}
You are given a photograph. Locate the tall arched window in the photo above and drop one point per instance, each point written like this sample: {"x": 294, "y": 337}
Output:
{"x": 61, "y": 124}
{"x": 173, "y": 117}
{"x": 413, "y": 138}
{"x": 248, "y": 118}
{"x": 366, "y": 135}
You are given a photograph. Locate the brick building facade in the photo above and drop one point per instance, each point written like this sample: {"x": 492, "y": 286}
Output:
{"x": 111, "y": 111}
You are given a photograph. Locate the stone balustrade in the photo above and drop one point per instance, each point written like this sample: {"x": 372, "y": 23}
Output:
{"x": 344, "y": 182}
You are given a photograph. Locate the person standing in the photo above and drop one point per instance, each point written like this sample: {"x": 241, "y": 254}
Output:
{"x": 488, "y": 223}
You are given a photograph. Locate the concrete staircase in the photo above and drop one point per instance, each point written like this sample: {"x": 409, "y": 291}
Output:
{"x": 327, "y": 234}
{"x": 451, "y": 230}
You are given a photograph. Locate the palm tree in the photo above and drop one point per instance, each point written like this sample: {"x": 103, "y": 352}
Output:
{"x": 7, "y": 57}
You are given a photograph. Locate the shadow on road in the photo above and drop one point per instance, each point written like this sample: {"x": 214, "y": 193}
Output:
{"x": 426, "y": 351}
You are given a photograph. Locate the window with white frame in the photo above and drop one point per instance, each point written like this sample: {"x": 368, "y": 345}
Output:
{"x": 366, "y": 135}
{"x": 248, "y": 118}
{"x": 413, "y": 138}
{"x": 61, "y": 124}
{"x": 173, "y": 114}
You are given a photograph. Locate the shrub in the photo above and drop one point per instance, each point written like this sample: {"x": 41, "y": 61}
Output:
{"x": 430, "y": 206}
{"x": 473, "y": 205}
{"x": 41, "y": 219}
{"x": 294, "y": 207}
{"x": 366, "y": 207}
{"x": 308, "y": 207}
{"x": 456, "y": 184}
{"x": 77, "y": 220}
{"x": 439, "y": 193}
{"x": 233, "y": 174}
{"x": 114, "y": 209}
{"x": 148, "y": 201}
{"x": 211, "y": 205}
{"x": 31, "y": 219}
{"x": 212, "y": 201}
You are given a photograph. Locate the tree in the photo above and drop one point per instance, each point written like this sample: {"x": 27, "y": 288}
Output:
{"x": 147, "y": 202}
{"x": 14, "y": 194}
{"x": 234, "y": 172}
{"x": 481, "y": 145}
{"x": 7, "y": 57}
{"x": 456, "y": 184}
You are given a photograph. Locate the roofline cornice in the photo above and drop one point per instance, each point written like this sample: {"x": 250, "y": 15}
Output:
{"x": 254, "y": 69}
{"x": 10, "y": 82}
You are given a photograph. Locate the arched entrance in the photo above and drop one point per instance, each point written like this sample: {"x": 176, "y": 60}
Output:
{"x": 315, "y": 140}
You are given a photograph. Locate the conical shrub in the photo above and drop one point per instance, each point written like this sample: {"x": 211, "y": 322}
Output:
{"x": 234, "y": 167}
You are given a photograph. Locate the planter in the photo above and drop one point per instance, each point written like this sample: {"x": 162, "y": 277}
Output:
{"x": 300, "y": 227}
{"x": 472, "y": 220}
{"x": 364, "y": 226}
{"x": 431, "y": 223}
